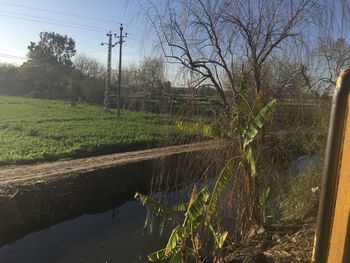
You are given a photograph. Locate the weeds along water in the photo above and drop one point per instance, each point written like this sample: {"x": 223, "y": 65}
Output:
{"x": 296, "y": 130}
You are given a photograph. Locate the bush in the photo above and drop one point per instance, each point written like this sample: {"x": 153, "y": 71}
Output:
{"x": 303, "y": 195}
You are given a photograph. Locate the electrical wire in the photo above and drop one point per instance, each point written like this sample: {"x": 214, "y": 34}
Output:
{"x": 59, "y": 12}
{"x": 71, "y": 15}
{"x": 8, "y": 56}
{"x": 58, "y": 22}
{"x": 51, "y": 23}
{"x": 53, "y": 20}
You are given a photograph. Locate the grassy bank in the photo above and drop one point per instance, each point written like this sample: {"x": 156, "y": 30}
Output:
{"x": 36, "y": 130}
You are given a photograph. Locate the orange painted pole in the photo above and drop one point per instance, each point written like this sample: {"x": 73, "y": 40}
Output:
{"x": 332, "y": 239}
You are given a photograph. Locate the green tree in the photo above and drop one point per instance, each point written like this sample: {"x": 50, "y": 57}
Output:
{"x": 53, "y": 47}
{"x": 9, "y": 83}
{"x": 49, "y": 65}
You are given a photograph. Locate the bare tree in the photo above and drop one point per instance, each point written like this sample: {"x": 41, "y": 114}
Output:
{"x": 151, "y": 74}
{"x": 207, "y": 36}
{"x": 324, "y": 65}
{"x": 283, "y": 78}
{"x": 89, "y": 67}
{"x": 266, "y": 27}
{"x": 86, "y": 81}
{"x": 193, "y": 34}
{"x": 334, "y": 55}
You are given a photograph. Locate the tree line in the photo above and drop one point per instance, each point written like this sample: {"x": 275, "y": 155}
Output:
{"x": 54, "y": 70}
{"x": 265, "y": 49}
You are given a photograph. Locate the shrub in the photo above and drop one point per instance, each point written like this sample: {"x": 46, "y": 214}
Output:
{"x": 303, "y": 193}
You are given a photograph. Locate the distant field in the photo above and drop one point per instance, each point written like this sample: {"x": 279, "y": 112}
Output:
{"x": 35, "y": 130}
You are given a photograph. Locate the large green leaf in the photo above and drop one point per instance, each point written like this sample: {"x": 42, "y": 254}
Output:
{"x": 213, "y": 132}
{"x": 180, "y": 207}
{"x": 248, "y": 155}
{"x": 220, "y": 184}
{"x": 256, "y": 123}
{"x": 157, "y": 256}
{"x": 189, "y": 127}
{"x": 218, "y": 238}
{"x": 178, "y": 236}
{"x": 203, "y": 129}
{"x": 223, "y": 239}
{"x": 176, "y": 258}
{"x": 196, "y": 209}
{"x": 155, "y": 206}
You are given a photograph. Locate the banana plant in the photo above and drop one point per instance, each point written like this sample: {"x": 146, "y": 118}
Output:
{"x": 243, "y": 132}
{"x": 246, "y": 129}
{"x": 199, "y": 211}
{"x": 176, "y": 248}
{"x": 219, "y": 239}
{"x": 202, "y": 206}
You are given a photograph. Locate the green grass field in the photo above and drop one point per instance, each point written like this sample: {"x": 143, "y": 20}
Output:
{"x": 36, "y": 130}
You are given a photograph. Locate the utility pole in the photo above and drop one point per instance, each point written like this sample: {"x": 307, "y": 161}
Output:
{"x": 120, "y": 42}
{"x": 106, "y": 101}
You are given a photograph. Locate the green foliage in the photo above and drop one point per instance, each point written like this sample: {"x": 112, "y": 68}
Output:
{"x": 35, "y": 130}
{"x": 157, "y": 256}
{"x": 243, "y": 131}
{"x": 203, "y": 129}
{"x": 197, "y": 209}
{"x": 255, "y": 124}
{"x": 176, "y": 238}
{"x": 220, "y": 184}
{"x": 248, "y": 156}
{"x": 248, "y": 129}
{"x": 202, "y": 206}
{"x": 219, "y": 239}
{"x": 53, "y": 45}
{"x": 155, "y": 206}
{"x": 49, "y": 66}
{"x": 264, "y": 197}
{"x": 302, "y": 193}
{"x": 181, "y": 207}
{"x": 9, "y": 83}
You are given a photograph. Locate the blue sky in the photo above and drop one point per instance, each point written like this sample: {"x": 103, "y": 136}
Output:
{"x": 18, "y": 28}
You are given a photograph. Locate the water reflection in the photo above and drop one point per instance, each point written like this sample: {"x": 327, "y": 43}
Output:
{"x": 113, "y": 236}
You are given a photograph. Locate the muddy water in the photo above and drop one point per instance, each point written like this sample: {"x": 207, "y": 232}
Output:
{"x": 113, "y": 236}
{"x": 50, "y": 222}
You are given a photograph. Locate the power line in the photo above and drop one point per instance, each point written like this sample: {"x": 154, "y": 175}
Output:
{"x": 93, "y": 51}
{"x": 23, "y": 58}
{"x": 51, "y": 23}
{"x": 11, "y": 56}
{"x": 51, "y": 19}
{"x": 59, "y": 12}
{"x": 141, "y": 39}
{"x": 70, "y": 14}
{"x": 87, "y": 42}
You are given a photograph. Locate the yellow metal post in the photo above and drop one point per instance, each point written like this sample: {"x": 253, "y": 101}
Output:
{"x": 332, "y": 239}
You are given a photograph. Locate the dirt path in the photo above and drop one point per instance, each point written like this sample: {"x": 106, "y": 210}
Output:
{"x": 46, "y": 172}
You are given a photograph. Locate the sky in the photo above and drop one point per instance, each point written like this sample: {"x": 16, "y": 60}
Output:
{"x": 86, "y": 21}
